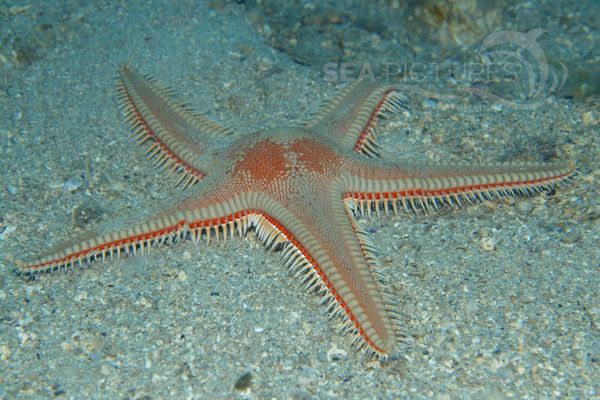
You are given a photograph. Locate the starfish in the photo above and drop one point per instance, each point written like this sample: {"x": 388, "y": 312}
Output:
{"x": 301, "y": 188}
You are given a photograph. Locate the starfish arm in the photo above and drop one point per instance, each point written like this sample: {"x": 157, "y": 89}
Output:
{"x": 154, "y": 116}
{"x": 336, "y": 259}
{"x": 425, "y": 185}
{"x": 350, "y": 118}
{"x": 124, "y": 235}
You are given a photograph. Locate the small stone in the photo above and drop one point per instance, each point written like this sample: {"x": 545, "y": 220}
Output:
{"x": 429, "y": 103}
{"x": 264, "y": 65}
{"x": 105, "y": 369}
{"x": 525, "y": 206}
{"x": 81, "y": 296}
{"x": 588, "y": 118}
{"x": 243, "y": 382}
{"x": 25, "y": 337}
{"x": 4, "y": 352}
{"x": 487, "y": 244}
{"x": 6, "y": 231}
{"x": 14, "y": 10}
{"x": 182, "y": 276}
{"x": 142, "y": 302}
{"x": 66, "y": 346}
{"x": 186, "y": 371}
{"x": 335, "y": 354}
{"x": 72, "y": 184}
{"x": 11, "y": 189}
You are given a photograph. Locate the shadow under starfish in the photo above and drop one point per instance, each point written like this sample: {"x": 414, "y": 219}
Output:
{"x": 300, "y": 188}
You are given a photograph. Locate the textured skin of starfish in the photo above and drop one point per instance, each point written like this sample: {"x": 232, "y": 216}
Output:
{"x": 300, "y": 188}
